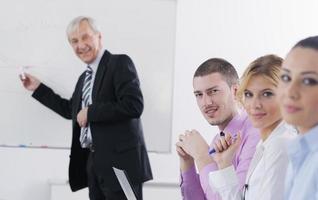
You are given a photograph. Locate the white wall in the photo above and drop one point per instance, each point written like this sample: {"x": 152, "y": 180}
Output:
{"x": 239, "y": 31}
{"x": 236, "y": 30}
{"x": 143, "y": 29}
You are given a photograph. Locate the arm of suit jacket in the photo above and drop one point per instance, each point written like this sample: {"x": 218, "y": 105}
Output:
{"x": 47, "y": 97}
{"x": 129, "y": 99}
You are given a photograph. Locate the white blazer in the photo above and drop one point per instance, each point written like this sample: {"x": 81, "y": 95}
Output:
{"x": 266, "y": 174}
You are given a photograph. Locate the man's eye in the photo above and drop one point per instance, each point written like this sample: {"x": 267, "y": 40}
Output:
{"x": 215, "y": 91}
{"x": 212, "y": 92}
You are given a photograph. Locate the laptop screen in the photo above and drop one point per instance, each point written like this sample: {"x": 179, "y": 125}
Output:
{"x": 125, "y": 184}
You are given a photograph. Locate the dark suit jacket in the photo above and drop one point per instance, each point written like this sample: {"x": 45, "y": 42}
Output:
{"x": 114, "y": 118}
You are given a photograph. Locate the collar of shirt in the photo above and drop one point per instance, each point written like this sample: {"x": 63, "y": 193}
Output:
{"x": 95, "y": 63}
{"x": 278, "y": 130}
{"x": 263, "y": 146}
{"x": 304, "y": 143}
{"x": 236, "y": 124}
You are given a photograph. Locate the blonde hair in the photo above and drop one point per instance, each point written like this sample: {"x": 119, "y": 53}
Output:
{"x": 267, "y": 66}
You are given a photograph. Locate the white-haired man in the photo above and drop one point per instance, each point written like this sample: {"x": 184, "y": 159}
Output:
{"x": 105, "y": 108}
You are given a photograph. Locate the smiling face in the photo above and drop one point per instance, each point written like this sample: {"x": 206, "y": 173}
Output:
{"x": 298, "y": 88}
{"x": 85, "y": 42}
{"x": 260, "y": 102}
{"x": 215, "y": 98}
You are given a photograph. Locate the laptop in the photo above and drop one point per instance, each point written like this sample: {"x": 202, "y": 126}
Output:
{"x": 125, "y": 184}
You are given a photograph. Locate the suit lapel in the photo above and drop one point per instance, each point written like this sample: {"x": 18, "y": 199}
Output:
{"x": 100, "y": 73}
{"x": 77, "y": 99}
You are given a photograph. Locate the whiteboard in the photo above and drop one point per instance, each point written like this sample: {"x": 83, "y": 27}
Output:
{"x": 33, "y": 34}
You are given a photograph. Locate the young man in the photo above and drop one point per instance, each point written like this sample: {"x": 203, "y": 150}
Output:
{"x": 105, "y": 109}
{"x": 215, "y": 84}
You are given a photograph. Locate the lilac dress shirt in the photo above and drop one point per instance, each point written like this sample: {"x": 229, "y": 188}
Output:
{"x": 196, "y": 186}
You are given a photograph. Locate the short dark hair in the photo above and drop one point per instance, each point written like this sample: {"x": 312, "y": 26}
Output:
{"x": 218, "y": 65}
{"x": 310, "y": 42}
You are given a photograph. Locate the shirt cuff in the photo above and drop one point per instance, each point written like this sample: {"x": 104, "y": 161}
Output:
{"x": 223, "y": 178}
{"x": 189, "y": 175}
{"x": 204, "y": 174}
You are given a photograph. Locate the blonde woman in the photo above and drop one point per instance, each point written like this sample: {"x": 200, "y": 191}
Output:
{"x": 266, "y": 174}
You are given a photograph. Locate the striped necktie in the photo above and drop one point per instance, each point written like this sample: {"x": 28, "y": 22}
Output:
{"x": 85, "y": 140}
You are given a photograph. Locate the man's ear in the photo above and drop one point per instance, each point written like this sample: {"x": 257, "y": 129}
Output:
{"x": 234, "y": 89}
{"x": 100, "y": 39}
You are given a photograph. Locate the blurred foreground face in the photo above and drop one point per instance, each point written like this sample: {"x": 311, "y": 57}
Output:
{"x": 298, "y": 88}
{"x": 260, "y": 102}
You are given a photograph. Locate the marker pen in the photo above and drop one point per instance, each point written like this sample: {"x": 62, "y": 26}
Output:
{"x": 22, "y": 73}
{"x": 222, "y": 134}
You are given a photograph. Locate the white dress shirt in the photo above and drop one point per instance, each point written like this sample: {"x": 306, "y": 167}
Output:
{"x": 266, "y": 174}
{"x": 94, "y": 66}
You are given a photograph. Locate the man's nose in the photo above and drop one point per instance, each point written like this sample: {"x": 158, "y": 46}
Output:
{"x": 81, "y": 45}
{"x": 207, "y": 100}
